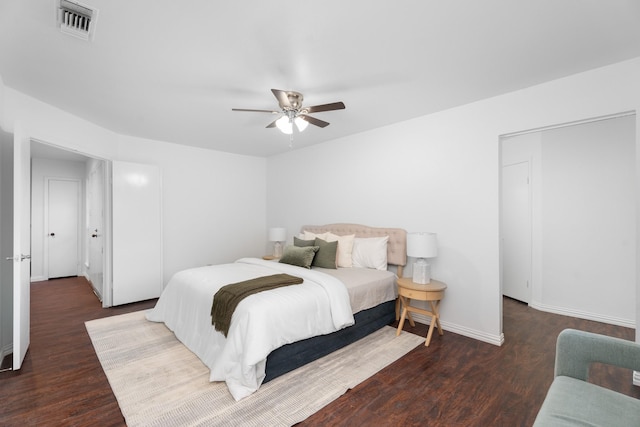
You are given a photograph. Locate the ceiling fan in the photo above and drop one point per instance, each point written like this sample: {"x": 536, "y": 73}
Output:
{"x": 292, "y": 111}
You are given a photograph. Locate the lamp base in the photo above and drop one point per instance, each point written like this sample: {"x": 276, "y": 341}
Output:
{"x": 277, "y": 250}
{"x": 421, "y": 272}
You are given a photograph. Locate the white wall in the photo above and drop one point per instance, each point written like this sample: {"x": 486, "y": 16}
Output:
{"x": 213, "y": 202}
{"x": 440, "y": 173}
{"x": 41, "y": 169}
{"x": 435, "y": 173}
{"x": 583, "y": 215}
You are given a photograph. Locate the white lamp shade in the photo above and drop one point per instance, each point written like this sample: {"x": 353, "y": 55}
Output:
{"x": 285, "y": 125}
{"x": 301, "y": 124}
{"x": 277, "y": 234}
{"x": 422, "y": 245}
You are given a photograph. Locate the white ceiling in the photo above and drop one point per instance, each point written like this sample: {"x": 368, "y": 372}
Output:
{"x": 172, "y": 70}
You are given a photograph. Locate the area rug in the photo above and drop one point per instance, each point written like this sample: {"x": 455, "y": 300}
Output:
{"x": 159, "y": 382}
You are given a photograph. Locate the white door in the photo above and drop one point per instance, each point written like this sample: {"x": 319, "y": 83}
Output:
{"x": 137, "y": 232}
{"x": 96, "y": 226}
{"x": 516, "y": 232}
{"x": 63, "y": 215}
{"x": 21, "y": 245}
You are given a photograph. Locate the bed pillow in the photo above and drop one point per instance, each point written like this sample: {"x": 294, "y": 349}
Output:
{"x": 302, "y": 257}
{"x": 370, "y": 252}
{"x": 302, "y": 243}
{"x": 345, "y": 248}
{"x": 326, "y": 255}
{"x": 307, "y": 235}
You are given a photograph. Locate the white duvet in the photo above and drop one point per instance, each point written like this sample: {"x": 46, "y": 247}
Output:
{"x": 261, "y": 323}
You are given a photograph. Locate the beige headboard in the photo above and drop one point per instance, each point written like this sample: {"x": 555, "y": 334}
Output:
{"x": 396, "y": 248}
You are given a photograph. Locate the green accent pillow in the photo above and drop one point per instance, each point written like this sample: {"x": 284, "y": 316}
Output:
{"x": 301, "y": 243}
{"x": 326, "y": 256}
{"x": 302, "y": 257}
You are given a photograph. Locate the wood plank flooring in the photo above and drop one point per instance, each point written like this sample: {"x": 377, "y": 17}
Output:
{"x": 456, "y": 381}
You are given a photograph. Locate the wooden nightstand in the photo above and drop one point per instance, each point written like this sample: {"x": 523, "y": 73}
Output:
{"x": 432, "y": 292}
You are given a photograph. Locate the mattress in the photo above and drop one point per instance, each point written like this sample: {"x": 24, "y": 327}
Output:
{"x": 367, "y": 287}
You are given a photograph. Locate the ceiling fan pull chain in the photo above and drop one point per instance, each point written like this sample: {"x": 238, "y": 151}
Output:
{"x": 291, "y": 140}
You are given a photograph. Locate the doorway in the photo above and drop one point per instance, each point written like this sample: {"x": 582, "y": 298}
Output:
{"x": 59, "y": 170}
{"x": 582, "y": 217}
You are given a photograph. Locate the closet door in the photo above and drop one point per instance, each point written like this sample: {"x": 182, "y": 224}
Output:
{"x": 137, "y": 232}
{"x": 63, "y": 215}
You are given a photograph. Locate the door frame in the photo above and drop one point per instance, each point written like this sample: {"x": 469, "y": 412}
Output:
{"x": 45, "y": 245}
{"x": 107, "y": 253}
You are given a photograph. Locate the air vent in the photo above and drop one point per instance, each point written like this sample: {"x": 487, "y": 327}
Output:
{"x": 76, "y": 19}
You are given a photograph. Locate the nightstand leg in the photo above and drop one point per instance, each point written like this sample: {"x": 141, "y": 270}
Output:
{"x": 433, "y": 323}
{"x": 405, "y": 303}
{"x": 434, "y": 310}
{"x": 401, "y": 324}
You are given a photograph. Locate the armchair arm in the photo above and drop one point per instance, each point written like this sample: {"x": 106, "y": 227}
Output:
{"x": 577, "y": 350}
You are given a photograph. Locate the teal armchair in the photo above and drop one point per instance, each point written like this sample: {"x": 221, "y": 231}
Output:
{"x": 571, "y": 400}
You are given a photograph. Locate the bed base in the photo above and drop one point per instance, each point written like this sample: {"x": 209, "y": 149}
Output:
{"x": 294, "y": 355}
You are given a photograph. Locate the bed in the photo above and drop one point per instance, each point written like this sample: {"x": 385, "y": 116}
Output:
{"x": 274, "y": 332}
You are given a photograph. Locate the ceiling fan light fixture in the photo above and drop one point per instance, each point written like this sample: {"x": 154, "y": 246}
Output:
{"x": 291, "y": 111}
{"x": 301, "y": 124}
{"x": 285, "y": 125}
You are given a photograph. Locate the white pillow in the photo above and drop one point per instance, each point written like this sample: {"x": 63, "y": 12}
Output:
{"x": 370, "y": 252}
{"x": 345, "y": 248}
{"x": 307, "y": 235}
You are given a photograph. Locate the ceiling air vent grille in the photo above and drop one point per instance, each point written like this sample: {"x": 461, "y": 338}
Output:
{"x": 76, "y": 19}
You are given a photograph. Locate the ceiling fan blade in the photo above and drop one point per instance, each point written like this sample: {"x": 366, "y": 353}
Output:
{"x": 314, "y": 121}
{"x": 326, "y": 107}
{"x": 273, "y": 123}
{"x": 255, "y": 111}
{"x": 282, "y": 97}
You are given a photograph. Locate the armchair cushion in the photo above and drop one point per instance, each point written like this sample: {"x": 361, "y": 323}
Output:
{"x": 571, "y": 400}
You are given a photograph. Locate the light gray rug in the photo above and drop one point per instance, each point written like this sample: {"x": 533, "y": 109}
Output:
{"x": 158, "y": 382}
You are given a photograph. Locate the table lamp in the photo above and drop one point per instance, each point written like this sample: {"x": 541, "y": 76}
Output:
{"x": 277, "y": 235}
{"x": 422, "y": 246}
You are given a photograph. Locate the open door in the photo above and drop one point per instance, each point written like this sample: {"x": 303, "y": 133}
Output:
{"x": 95, "y": 226}
{"x": 516, "y": 232}
{"x": 21, "y": 245}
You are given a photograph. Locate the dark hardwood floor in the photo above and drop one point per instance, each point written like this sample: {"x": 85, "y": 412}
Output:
{"x": 456, "y": 381}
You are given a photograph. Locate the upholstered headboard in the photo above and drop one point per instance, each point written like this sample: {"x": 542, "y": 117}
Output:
{"x": 396, "y": 248}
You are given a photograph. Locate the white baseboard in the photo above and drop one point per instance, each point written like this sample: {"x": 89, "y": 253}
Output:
{"x": 39, "y": 278}
{"x": 627, "y": 323}
{"x": 461, "y": 330}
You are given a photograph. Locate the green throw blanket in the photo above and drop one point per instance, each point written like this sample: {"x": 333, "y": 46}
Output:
{"x": 228, "y": 297}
